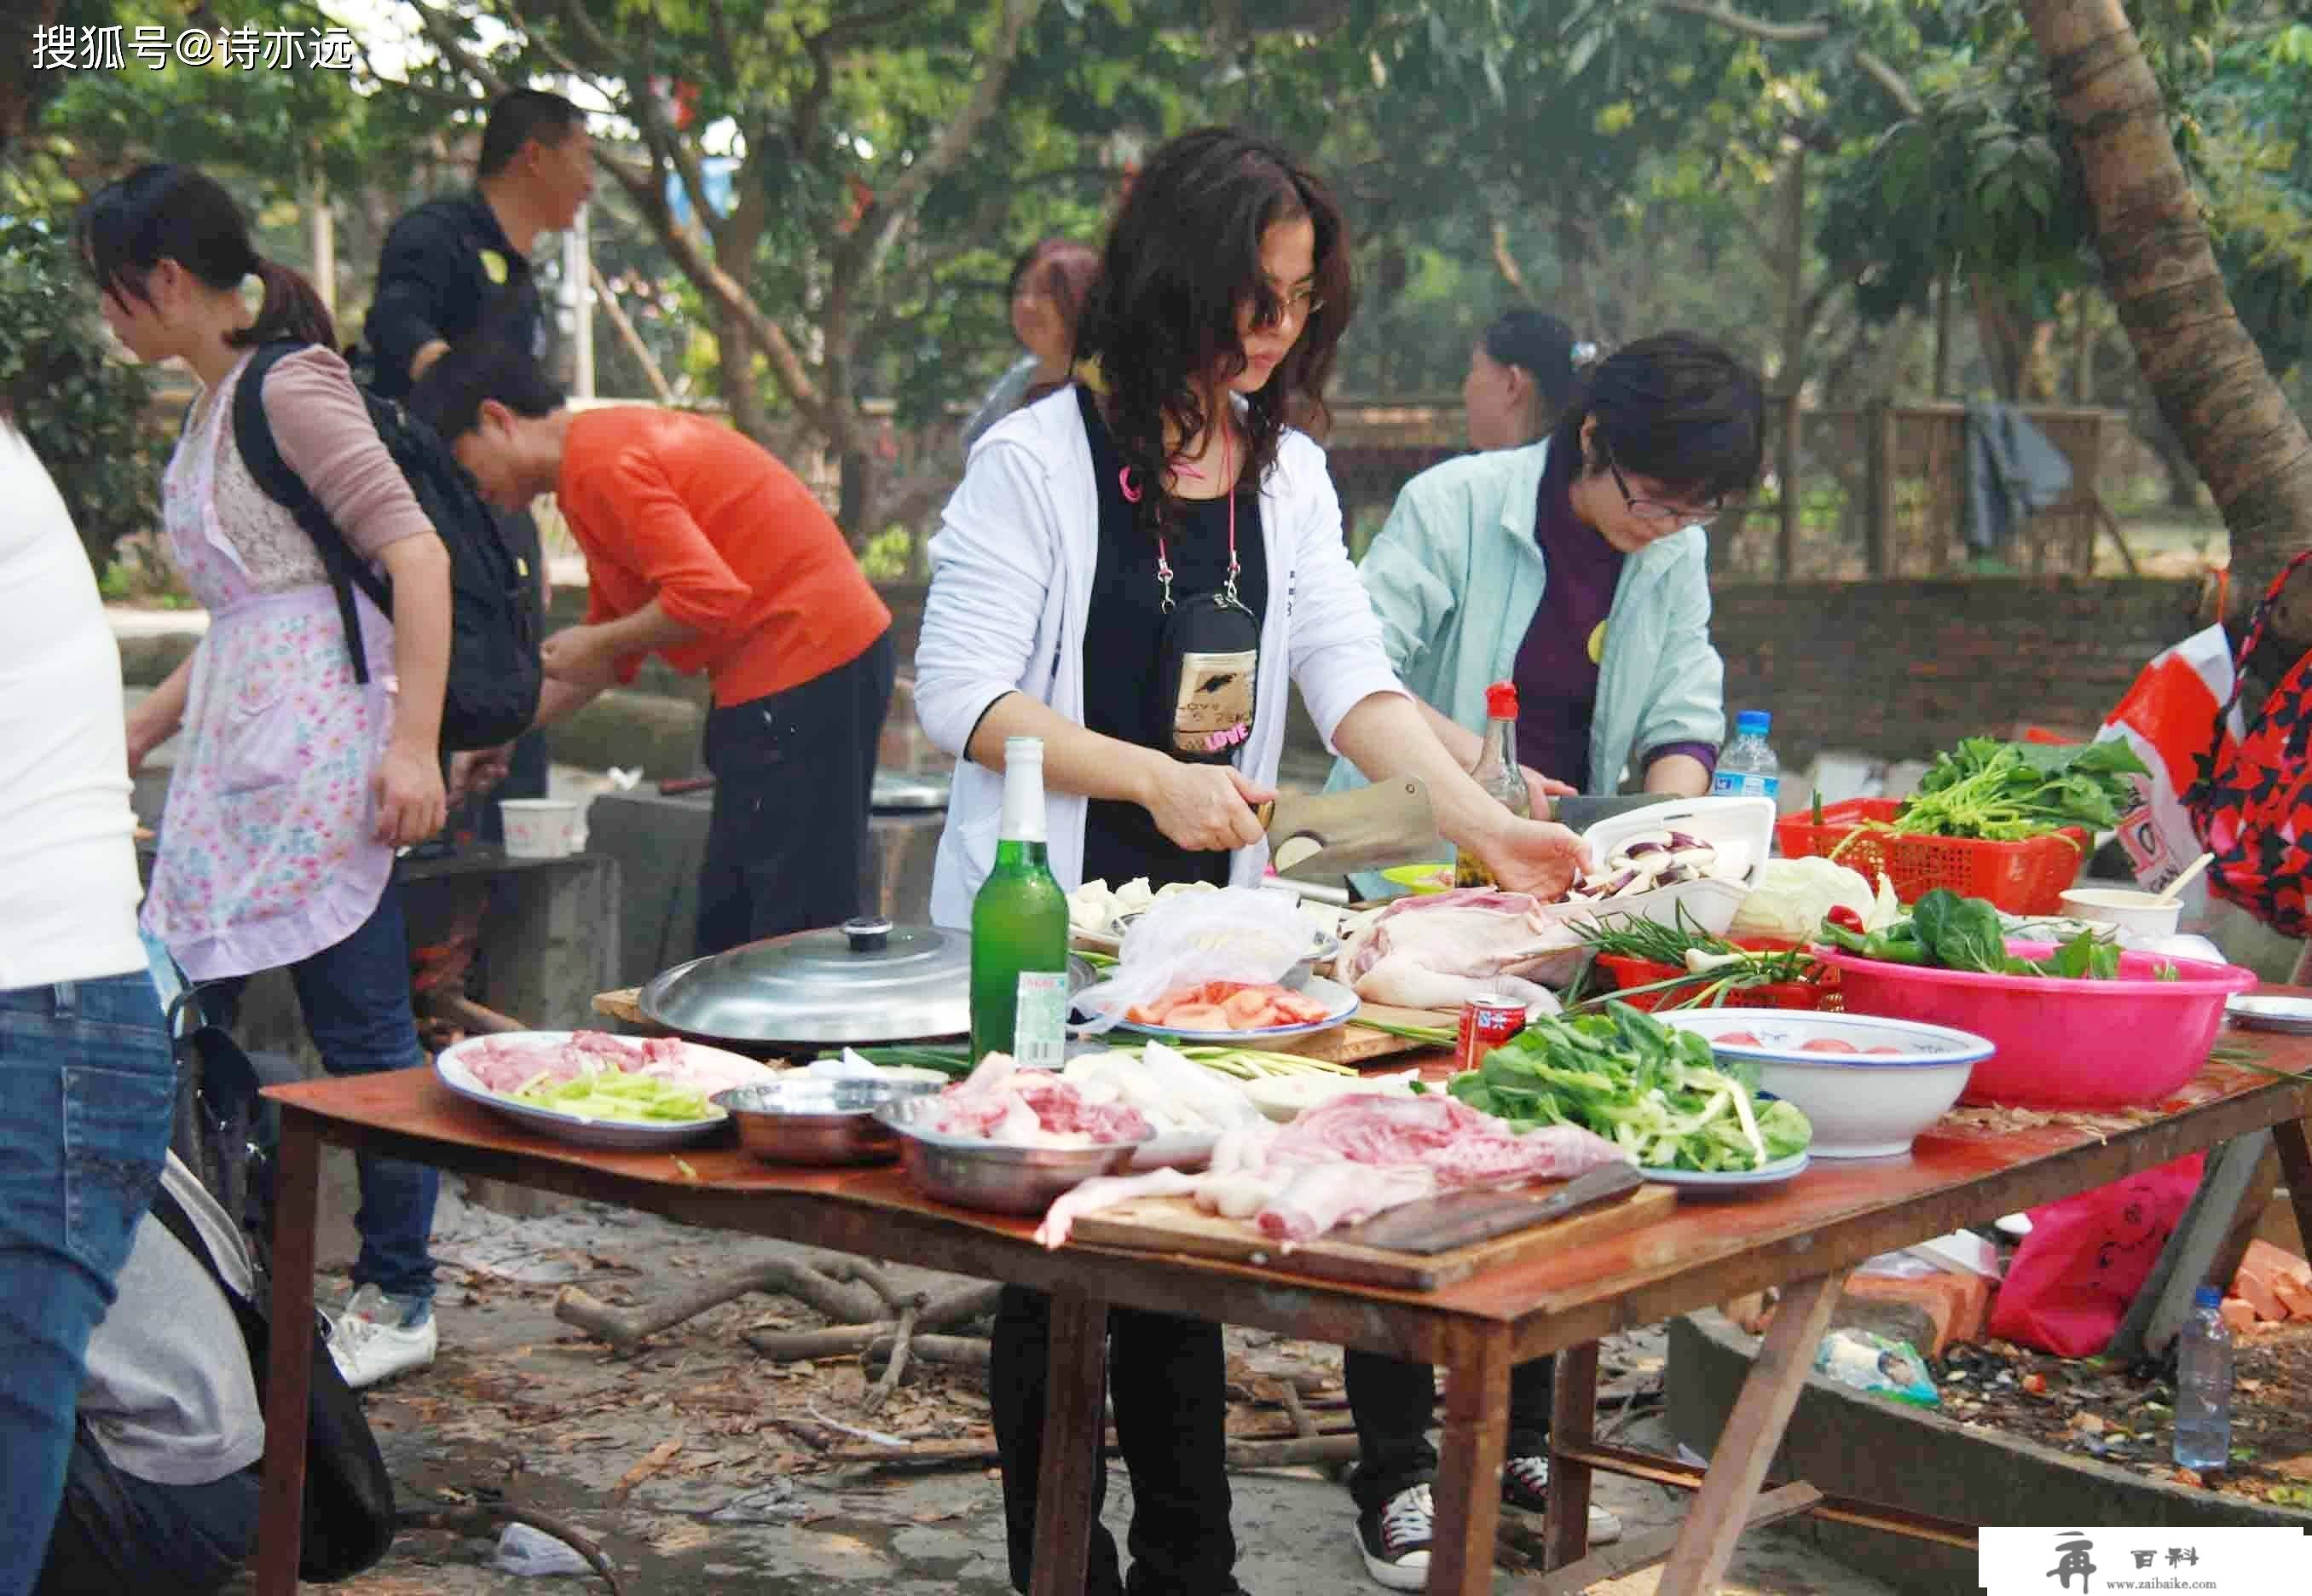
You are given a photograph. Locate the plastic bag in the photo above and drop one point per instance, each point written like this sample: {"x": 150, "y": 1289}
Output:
{"x": 1237, "y": 933}
{"x": 2070, "y": 1281}
{"x": 1872, "y": 1363}
{"x": 536, "y": 1555}
{"x": 2166, "y": 718}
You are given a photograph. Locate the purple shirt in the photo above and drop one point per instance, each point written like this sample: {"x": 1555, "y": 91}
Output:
{"x": 1557, "y": 663}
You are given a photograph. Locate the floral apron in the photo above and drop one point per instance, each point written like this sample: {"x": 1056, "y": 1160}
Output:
{"x": 267, "y": 851}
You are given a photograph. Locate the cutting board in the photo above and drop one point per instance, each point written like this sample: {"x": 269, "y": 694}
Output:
{"x": 1176, "y": 1225}
{"x": 1356, "y": 1043}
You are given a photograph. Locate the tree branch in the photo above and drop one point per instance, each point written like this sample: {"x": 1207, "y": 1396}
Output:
{"x": 1735, "y": 22}
{"x": 627, "y": 335}
{"x": 1892, "y": 83}
{"x": 864, "y": 251}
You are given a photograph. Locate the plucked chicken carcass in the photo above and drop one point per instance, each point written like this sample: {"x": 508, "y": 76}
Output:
{"x": 1438, "y": 952}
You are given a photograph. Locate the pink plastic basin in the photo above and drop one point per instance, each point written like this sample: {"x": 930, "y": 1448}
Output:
{"x": 2060, "y": 1044}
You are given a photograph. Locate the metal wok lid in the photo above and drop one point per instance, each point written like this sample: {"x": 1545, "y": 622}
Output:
{"x": 865, "y": 981}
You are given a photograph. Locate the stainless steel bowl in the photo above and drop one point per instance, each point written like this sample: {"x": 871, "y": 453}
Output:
{"x": 996, "y": 1177}
{"x": 814, "y": 1120}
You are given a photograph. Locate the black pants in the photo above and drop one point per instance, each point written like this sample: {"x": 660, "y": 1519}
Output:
{"x": 1390, "y": 1402}
{"x": 1167, "y": 1379}
{"x": 116, "y": 1533}
{"x": 793, "y": 775}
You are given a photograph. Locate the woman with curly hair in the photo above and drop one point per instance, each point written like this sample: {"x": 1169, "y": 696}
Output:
{"x": 1136, "y": 570}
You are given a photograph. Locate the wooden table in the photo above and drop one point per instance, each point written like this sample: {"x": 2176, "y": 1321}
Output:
{"x": 1802, "y": 1237}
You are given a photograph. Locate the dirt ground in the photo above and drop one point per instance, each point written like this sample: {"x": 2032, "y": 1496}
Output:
{"x": 697, "y": 1465}
{"x": 2127, "y": 1416}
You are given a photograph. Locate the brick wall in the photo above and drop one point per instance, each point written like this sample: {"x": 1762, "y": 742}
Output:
{"x": 1901, "y": 669}
{"x": 1893, "y": 669}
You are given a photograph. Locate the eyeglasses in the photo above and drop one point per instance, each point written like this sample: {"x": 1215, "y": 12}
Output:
{"x": 1658, "y": 510}
{"x": 1301, "y": 302}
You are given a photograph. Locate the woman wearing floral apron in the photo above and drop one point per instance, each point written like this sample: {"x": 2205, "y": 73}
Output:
{"x": 296, "y": 783}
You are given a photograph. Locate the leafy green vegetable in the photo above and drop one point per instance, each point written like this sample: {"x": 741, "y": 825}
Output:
{"x": 1657, "y": 1092}
{"x": 1961, "y": 932}
{"x": 2006, "y": 791}
{"x": 1947, "y": 931}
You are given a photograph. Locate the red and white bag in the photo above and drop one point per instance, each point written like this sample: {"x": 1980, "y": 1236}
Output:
{"x": 2166, "y": 718}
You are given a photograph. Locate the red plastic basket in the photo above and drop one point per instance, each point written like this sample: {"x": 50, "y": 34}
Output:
{"x": 1626, "y": 972}
{"x": 2023, "y": 878}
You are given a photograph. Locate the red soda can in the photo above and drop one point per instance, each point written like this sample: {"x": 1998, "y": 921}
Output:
{"x": 1487, "y": 1020}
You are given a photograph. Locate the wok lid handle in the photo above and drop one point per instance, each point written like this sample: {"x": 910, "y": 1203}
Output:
{"x": 867, "y": 933}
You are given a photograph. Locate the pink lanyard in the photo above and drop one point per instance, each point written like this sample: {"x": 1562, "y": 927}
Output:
{"x": 1163, "y": 560}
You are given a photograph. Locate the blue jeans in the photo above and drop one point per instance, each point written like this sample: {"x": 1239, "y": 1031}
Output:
{"x": 355, "y": 998}
{"x": 87, "y": 1093}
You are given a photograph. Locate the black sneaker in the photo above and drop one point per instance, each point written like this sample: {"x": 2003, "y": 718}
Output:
{"x": 1525, "y": 1486}
{"x": 1395, "y": 1538}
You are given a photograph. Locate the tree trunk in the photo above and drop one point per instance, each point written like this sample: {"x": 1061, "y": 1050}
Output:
{"x": 2199, "y": 362}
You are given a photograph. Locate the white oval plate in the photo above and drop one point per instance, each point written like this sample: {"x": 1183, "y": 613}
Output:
{"x": 2260, "y": 1012}
{"x": 1340, "y": 1007}
{"x": 1773, "y": 1174}
{"x": 580, "y": 1129}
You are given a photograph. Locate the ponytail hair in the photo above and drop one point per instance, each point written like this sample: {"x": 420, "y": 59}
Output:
{"x": 164, "y": 211}
{"x": 292, "y": 308}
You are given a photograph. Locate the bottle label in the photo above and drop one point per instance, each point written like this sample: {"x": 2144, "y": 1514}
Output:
{"x": 1729, "y": 783}
{"x": 1039, "y": 1035}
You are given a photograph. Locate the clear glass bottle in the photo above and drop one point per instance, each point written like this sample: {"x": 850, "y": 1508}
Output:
{"x": 1019, "y": 928}
{"x": 2203, "y": 1385}
{"x": 1747, "y": 768}
{"x": 1497, "y": 771}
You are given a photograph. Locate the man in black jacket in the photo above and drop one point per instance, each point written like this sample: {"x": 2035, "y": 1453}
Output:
{"x": 459, "y": 265}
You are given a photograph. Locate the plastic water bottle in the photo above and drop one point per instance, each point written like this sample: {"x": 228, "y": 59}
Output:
{"x": 2204, "y": 1386}
{"x": 1747, "y": 768}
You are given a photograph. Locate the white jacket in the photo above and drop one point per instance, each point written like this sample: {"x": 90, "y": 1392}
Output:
{"x": 1011, "y": 569}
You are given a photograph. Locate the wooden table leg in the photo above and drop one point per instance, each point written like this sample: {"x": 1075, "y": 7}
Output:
{"x": 2296, "y": 1168}
{"x": 1476, "y": 1439}
{"x": 1720, "y": 1508}
{"x": 1573, "y": 1421}
{"x": 1074, "y": 1424}
{"x": 289, "y": 1378}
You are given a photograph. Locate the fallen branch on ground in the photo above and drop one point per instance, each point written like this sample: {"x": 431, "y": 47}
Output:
{"x": 484, "y": 1519}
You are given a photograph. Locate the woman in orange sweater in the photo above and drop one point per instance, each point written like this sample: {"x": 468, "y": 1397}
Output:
{"x": 703, "y": 548}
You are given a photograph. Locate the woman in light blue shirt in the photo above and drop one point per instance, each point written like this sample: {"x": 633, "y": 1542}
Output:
{"x": 1575, "y": 567}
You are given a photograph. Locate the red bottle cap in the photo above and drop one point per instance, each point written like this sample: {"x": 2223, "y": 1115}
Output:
{"x": 1501, "y": 701}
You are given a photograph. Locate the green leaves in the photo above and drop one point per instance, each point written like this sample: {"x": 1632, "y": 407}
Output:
{"x": 1961, "y": 932}
{"x": 83, "y": 413}
{"x": 2005, "y": 791}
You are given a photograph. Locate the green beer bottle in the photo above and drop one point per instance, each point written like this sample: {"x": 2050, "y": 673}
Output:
{"x": 1019, "y": 928}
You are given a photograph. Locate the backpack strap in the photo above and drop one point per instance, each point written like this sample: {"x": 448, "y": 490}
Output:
{"x": 252, "y": 434}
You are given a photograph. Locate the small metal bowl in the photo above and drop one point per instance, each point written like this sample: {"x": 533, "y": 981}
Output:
{"x": 996, "y": 1177}
{"x": 817, "y": 1120}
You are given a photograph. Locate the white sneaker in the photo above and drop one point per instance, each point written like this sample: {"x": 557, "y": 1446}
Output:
{"x": 1395, "y": 1540}
{"x": 1525, "y": 1486}
{"x": 371, "y": 1340}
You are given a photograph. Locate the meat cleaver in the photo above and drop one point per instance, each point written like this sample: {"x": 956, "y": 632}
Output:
{"x": 1315, "y": 834}
{"x": 1464, "y": 1218}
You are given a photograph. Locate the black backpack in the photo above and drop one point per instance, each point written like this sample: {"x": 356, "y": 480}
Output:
{"x": 349, "y": 1513}
{"x": 494, "y": 675}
